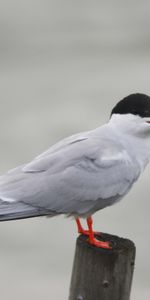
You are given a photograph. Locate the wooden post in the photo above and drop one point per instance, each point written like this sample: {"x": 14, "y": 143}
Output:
{"x": 100, "y": 274}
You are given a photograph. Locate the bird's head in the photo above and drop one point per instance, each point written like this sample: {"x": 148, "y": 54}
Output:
{"x": 132, "y": 115}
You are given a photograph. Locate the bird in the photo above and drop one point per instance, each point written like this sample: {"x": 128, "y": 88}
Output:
{"x": 83, "y": 173}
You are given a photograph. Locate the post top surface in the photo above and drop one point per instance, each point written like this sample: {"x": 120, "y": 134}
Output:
{"x": 119, "y": 244}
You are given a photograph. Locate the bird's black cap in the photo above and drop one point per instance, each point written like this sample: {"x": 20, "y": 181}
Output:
{"x": 136, "y": 104}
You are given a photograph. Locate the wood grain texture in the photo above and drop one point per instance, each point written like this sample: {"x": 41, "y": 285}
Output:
{"x": 100, "y": 274}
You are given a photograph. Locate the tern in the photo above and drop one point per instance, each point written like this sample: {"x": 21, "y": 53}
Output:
{"x": 83, "y": 173}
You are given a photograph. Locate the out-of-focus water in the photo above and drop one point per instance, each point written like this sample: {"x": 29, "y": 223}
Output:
{"x": 63, "y": 65}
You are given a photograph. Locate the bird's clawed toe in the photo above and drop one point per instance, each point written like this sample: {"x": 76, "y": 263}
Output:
{"x": 100, "y": 244}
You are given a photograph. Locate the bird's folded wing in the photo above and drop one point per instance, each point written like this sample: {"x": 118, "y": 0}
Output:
{"x": 71, "y": 179}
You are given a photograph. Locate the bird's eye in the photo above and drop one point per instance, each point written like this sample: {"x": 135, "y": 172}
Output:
{"x": 134, "y": 112}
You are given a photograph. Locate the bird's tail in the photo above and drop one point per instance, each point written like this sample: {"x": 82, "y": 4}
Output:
{"x": 15, "y": 210}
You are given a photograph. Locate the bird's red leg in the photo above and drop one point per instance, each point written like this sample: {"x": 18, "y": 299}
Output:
{"x": 82, "y": 230}
{"x": 93, "y": 240}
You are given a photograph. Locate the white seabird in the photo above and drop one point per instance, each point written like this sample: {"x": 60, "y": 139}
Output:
{"x": 85, "y": 172}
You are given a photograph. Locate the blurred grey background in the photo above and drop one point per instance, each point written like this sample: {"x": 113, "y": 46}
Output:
{"x": 63, "y": 65}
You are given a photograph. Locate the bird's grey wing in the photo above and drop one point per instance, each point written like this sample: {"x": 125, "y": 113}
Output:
{"x": 85, "y": 174}
{"x": 94, "y": 181}
{"x": 20, "y": 186}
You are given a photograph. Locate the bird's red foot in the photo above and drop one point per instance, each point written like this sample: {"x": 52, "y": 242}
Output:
{"x": 91, "y": 234}
{"x": 99, "y": 244}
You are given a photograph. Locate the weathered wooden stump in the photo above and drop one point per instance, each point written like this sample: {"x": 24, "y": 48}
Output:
{"x": 100, "y": 274}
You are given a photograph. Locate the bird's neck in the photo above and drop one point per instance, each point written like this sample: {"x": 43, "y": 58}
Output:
{"x": 137, "y": 146}
{"x": 140, "y": 149}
